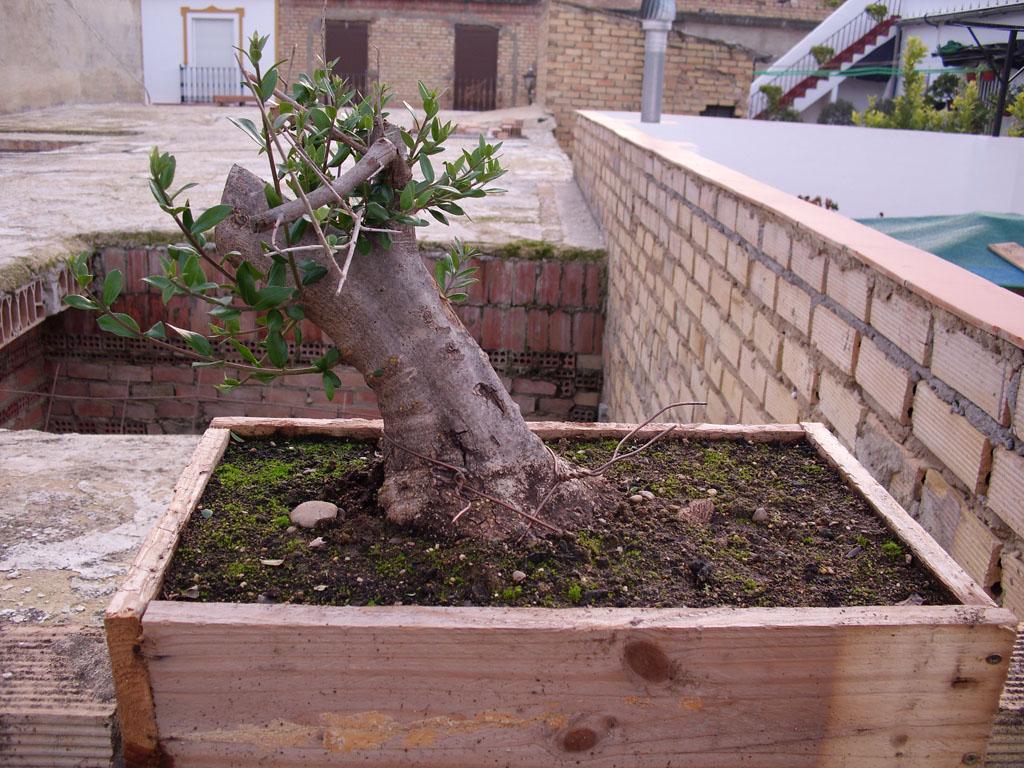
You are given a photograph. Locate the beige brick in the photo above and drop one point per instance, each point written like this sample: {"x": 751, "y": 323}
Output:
{"x": 842, "y": 407}
{"x": 721, "y": 290}
{"x": 741, "y": 312}
{"x": 794, "y": 306}
{"x": 1012, "y": 582}
{"x": 851, "y": 288}
{"x": 903, "y": 322}
{"x": 963, "y": 449}
{"x": 701, "y": 271}
{"x": 729, "y": 345}
{"x": 694, "y": 299}
{"x": 699, "y": 234}
{"x": 776, "y": 243}
{"x": 835, "y": 338}
{"x": 977, "y": 550}
{"x": 726, "y": 214}
{"x": 732, "y": 393}
{"x": 888, "y": 384}
{"x": 747, "y": 224}
{"x": 762, "y": 283}
{"x": 710, "y": 319}
{"x": 752, "y": 372}
{"x": 941, "y": 508}
{"x": 1006, "y": 489}
{"x": 753, "y": 413}
{"x": 808, "y": 264}
{"x": 973, "y": 370}
{"x": 718, "y": 246}
{"x": 798, "y": 365}
{"x": 768, "y": 339}
{"x": 780, "y": 402}
{"x": 1018, "y": 414}
{"x": 715, "y": 409}
{"x": 889, "y": 463}
{"x": 738, "y": 263}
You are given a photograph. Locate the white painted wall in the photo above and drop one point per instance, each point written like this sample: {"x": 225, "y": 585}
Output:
{"x": 868, "y": 171}
{"x": 163, "y": 44}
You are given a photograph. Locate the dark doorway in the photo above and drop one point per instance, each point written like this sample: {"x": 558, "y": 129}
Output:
{"x": 348, "y": 42}
{"x": 476, "y": 67}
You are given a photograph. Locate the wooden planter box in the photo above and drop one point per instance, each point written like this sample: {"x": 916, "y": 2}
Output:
{"x": 287, "y": 685}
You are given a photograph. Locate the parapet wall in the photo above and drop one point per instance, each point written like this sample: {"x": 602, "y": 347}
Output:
{"x": 771, "y": 309}
{"x": 537, "y": 312}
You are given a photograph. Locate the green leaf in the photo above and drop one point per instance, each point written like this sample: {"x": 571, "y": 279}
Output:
{"x": 197, "y": 341}
{"x": 182, "y": 189}
{"x": 158, "y": 331}
{"x": 225, "y": 386}
{"x": 408, "y": 197}
{"x": 277, "y": 349}
{"x": 273, "y": 199}
{"x": 248, "y": 127}
{"x": 427, "y": 169}
{"x": 312, "y": 272}
{"x": 210, "y": 218}
{"x": 158, "y": 193}
{"x": 245, "y": 352}
{"x": 166, "y": 177}
{"x": 81, "y": 302}
{"x": 438, "y": 215}
{"x": 112, "y": 286}
{"x": 119, "y": 324}
{"x": 331, "y": 383}
{"x": 268, "y": 84}
{"x": 376, "y": 211}
{"x": 245, "y": 278}
{"x": 271, "y": 296}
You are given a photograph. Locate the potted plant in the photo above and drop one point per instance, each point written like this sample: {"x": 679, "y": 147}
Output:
{"x": 877, "y": 11}
{"x": 245, "y": 682}
{"x": 823, "y": 54}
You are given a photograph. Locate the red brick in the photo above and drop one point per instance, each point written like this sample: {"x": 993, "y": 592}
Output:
{"x": 470, "y": 317}
{"x": 560, "y": 331}
{"x": 548, "y": 287}
{"x": 105, "y": 389}
{"x": 537, "y": 330}
{"x": 130, "y": 373}
{"x": 592, "y": 298}
{"x": 524, "y": 284}
{"x": 179, "y": 374}
{"x": 599, "y": 335}
{"x": 491, "y": 328}
{"x": 499, "y": 281}
{"x": 93, "y": 409}
{"x": 176, "y": 409}
{"x": 96, "y": 371}
{"x": 557, "y": 406}
{"x": 583, "y": 333}
{"x": 477, "y": 293}
{"x": 515, "y": 330}
{"x": 534, "y": 387}
{"x": 572, "y": 284}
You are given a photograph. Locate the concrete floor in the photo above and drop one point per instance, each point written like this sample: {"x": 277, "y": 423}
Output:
{"x": 55, "y": 203}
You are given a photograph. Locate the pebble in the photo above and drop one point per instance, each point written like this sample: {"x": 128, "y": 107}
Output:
{"x": 647, "y": 495}
{"x": 272, "y": 563}
{"x": 319, "y": 587}
{"x": 291, "y": 529}
{"x": 760, "y": 515}
{"x": 309, "y": 513}
{"x": 317, "y": 542}
{"x": 636, "y": 498}
{"x": 712, "y": 491}
{"x": 854, "y": 552}
{"x": 518, "y": 576}
{"x": 192, "y": 592}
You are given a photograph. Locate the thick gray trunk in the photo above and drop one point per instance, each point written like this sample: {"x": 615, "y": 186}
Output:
{"x": 438, "y": 394}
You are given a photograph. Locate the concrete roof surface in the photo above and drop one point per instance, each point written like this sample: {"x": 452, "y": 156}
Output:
{"x": 59, "y": 202}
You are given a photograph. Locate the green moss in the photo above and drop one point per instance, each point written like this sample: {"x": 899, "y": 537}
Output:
{"x": 539, "y": 250}
{"x": 892, "y": 549}
{"x": 574, "y": 593}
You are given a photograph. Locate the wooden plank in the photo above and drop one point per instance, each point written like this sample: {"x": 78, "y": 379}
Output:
{"x": 1011, "y": 252}
{"x": 909, "y": 531}
{"x": 549, "y": 430}
{"x": 307, "y": 685}
{"x": 139, "y": 735}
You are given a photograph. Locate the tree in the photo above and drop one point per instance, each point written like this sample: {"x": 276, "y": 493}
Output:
{"x": 776, "y": 111}
{"x": 330, "y": 238}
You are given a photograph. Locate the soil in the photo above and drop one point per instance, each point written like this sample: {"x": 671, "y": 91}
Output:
{"x": 773, "y": 525}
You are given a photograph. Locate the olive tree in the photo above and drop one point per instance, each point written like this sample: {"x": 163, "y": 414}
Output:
{"x": 329, "y": 238}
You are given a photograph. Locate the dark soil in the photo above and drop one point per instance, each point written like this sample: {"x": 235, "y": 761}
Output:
{"x": 818, "y": 544}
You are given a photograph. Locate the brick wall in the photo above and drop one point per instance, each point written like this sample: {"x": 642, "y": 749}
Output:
{"x": 772, "y": 310}
{"x": 809, "y": 10}
{"x": 593, "y": 59}
{"x": 541, "y": 322}
{"x": 23, "y": 382}
{"x": 416, "y": 40}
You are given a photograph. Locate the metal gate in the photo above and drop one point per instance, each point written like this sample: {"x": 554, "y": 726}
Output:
{"x": 348, "y": 42}
{"x": 476, "y": 67}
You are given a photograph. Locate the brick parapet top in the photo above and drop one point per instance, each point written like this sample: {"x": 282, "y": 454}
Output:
{"x": 963, "y": 294}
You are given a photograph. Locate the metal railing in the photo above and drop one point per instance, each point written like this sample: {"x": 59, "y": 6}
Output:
{"x": 200, "y": 84}
{"x": 475, "y": 94}
{"x": 842, "y": 41}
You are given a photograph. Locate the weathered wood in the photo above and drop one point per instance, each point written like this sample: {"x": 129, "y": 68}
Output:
{"x": 364, "y": 429}
{"x": 909, "y": 531}
{"x": 302, "y": 685}
{"x": 139, "y": 735}
{"x": 1011, "y": 252}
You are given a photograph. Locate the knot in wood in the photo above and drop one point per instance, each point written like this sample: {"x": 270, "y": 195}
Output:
{"x": 647, "y": 661}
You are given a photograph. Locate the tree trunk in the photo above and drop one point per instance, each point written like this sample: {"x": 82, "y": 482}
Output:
{"x": 437, "y": 392}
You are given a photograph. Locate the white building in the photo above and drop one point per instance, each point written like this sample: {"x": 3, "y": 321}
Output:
{"x": 875, "y": 46}
{"x": 188, "y": 53}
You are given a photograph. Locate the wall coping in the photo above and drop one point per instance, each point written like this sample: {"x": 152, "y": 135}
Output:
{"x": 964, "y": 294}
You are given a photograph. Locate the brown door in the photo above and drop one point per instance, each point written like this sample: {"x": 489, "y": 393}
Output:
{"x": 476, "y": 67}
{"x": 348, "y": 42}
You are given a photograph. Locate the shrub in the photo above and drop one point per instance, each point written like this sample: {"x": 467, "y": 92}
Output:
{"x": 837, "y": 113}
{"x": 877, "y": 11}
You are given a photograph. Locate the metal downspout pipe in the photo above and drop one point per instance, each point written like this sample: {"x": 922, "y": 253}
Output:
{"x": 657, "y": 17}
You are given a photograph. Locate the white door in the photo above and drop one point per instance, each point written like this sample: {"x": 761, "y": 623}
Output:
{"x": 212, "y": 42}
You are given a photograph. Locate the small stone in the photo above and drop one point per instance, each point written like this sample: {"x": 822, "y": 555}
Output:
{"x": 914, "y": 599}
{"x": 317, "y": 542}
{"x": 712, "y": 492}
{"x": 854, "y": 552}
{"x": 192, "y": 593}
{"x": 518, "y": 576}
{"x": 699, "y": 512}
{"x": 319, "y": 587}
{"x": 908, "y": 558}
{"x": 272, "y": 563}
{"x": 13, "y": 574}
{"x": 760, "y": 515}
{"x": 636, "y": 498}
{"x": 206, "y": 513}
{"x": 309, "y": 513}
{"x": 262, "y": 599}
{"x": 291, "y": 529}
{"x": 647, "y": 495}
